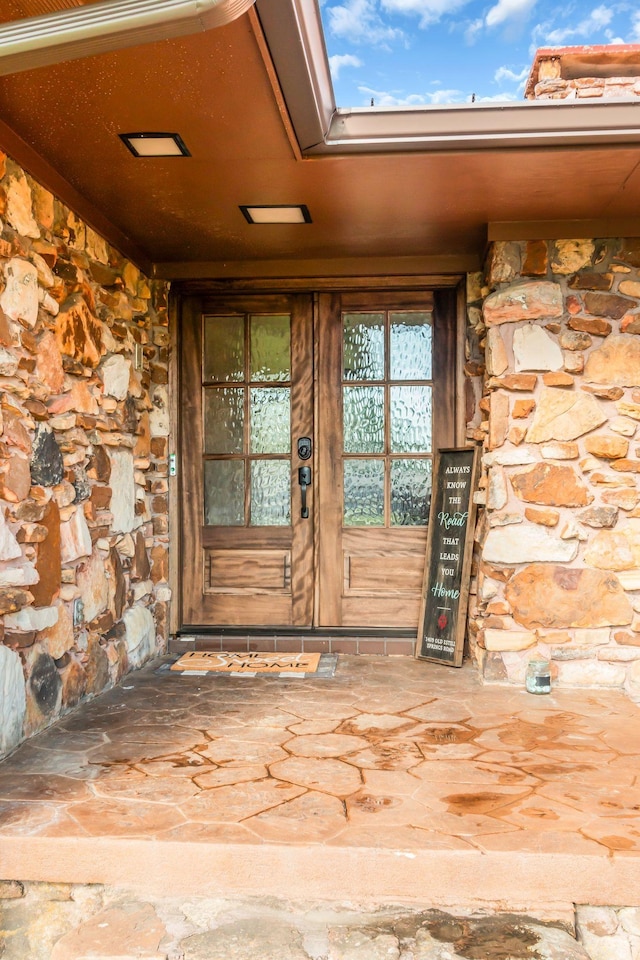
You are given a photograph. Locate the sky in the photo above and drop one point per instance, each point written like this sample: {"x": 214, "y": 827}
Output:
{"x": 424, "y": 52}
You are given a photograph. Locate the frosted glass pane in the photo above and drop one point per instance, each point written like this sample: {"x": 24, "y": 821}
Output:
{"x": 270, "y": 493}
{"x": 224, "y": 493}
{"x": 223, "y": 419}
{"x": 363, "y": 346}
{"x": 223, "y": 348}
{"x": 270, "y": 415}
{"x": 411, "y": 419}
{"x": 270, "y": 348}
{"x": 410, "y": 492}
{"x": 363, "y": 493}
{"x": 411, "y": 346}
{"x": 363, "y": 419}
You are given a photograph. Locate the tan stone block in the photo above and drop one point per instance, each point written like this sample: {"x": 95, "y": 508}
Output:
{"x": 616, "y": 361}
{"x": 592, "y": 637}
{"x": 626, "y": 466}
{"x": 573, "y": 362}
{"x": 607, "y": 447}
{"x": 625, "y": 499}
{"x": 496, "y": 358}
{"x": 627, "y": 638}
{"x": 557, "y": 378}
{"x": 605, "y": 393}
{"x": 547, "y": 518}
{"x": 516, "y": 435}
{"x": 630, "y": 288}
{"x": 498, "y": 420}
{"x": 514, "y": 381}
{"x": 528, "y": 300}
{"x": 615, "y": 549}
{"x": 557, "y": 450}
{"x": 630, "y": 324}
{"x": 630, "y": 579}
{"x": 508, "y": 639}
{"x": 591, "y": 673}
{"x": 551, "y": 485}
{"x": 522, "y": 409}
{"x": 612, "y": 479}
{"x": 564, "y": 416}
{"x": 550, "y": 596}
{"x": 571, "y": 255}
{"x": 624, "y": 426}
{"x": 626, "y": 409}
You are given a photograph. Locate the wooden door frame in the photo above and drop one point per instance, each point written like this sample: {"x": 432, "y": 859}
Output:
{"x": 450, "y": 293}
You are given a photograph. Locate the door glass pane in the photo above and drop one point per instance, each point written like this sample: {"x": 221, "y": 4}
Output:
{"x": 410, "y": 492}
{"x": 224, "y": 492}
{"x": 363, "y": 493}
{"x": 270, "y": 417}
{"x": 270, "y": 348}
{"x": 411, "y": 346}
{"x": 223, "y": 419}
{"x": 363, "y": 346}
{"x": 270, "y": 493}
{"x": 411, "y": 419}
{"x": 363, "y": 419}
{"x": 223, "y": 348}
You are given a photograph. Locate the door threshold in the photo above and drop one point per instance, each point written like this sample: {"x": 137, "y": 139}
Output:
{"x": 348, "y": 641}
{"x": 252, "y": 631}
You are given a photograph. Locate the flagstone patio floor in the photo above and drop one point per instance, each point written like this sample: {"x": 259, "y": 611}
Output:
{"x": 396, "y": 780}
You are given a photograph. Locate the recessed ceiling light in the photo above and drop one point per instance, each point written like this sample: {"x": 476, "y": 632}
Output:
{"x": 270, "y": 213}
{"x": 155, "y": 144}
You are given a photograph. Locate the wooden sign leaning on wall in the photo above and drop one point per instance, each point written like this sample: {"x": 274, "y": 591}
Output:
{"x": 445, "y": 594}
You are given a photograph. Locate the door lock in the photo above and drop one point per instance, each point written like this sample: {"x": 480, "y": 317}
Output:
{"x": 304, "y": 448}
{"x": 304, "y": 479}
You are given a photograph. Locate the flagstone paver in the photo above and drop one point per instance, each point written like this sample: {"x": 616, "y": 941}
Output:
{"x": 391, "y": 757}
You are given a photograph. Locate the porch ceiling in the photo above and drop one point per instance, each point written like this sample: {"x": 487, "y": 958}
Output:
{"x": 422, "y": 210}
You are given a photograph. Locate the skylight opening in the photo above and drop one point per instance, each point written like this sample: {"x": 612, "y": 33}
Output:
{"x": 428, "y": 53}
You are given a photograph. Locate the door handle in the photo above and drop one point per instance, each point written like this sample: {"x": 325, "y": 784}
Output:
{"x": 304, "y": 479}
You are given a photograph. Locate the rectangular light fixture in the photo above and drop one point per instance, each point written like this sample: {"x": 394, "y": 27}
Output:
{"x": 272, "y": 213}
{"x": 155, "y": 144}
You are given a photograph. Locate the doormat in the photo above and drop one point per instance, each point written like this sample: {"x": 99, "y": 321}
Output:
{"x": 201, "y": 662}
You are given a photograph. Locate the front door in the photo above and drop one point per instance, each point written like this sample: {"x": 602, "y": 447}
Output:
{"x": 308, "y": 429}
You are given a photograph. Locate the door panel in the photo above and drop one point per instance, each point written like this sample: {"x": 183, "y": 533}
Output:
{"x": 247, "y": 372}
{"x": 375, "y": 404}
{"x": 381, "y": 413}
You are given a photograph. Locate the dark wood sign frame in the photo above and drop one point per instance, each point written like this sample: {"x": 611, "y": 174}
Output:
{"x": 445, "y": 592}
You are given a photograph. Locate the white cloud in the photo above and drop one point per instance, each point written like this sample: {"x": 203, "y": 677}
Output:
{"x": 505, "y": 73}
{"x": 635, "y": 27}
{"x": 497, "y": 98}
{"x": 473, "y": 28}
{"x": 340, "y": 60}
{"x": 429, "y": 11}
{"x": 599, "y": 18}
{"x": 506, "y": 10}
{"x": 384, "y": 98}
{"x": 358, "y": 22}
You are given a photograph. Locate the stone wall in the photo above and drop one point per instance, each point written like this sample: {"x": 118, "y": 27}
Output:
{"x": 83, "y": 460}
{"x": 554, "y": 353}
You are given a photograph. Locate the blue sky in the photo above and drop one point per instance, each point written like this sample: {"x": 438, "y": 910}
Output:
{"x": 423, "y": 52}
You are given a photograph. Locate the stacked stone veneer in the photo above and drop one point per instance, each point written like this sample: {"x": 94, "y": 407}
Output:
{"x": 587, "y": 88}
{"x": 83, "y": 460}
{"x": 553, "y": 394}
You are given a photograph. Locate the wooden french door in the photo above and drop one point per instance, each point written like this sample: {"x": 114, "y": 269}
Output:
{"x": 308, "y": 429}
